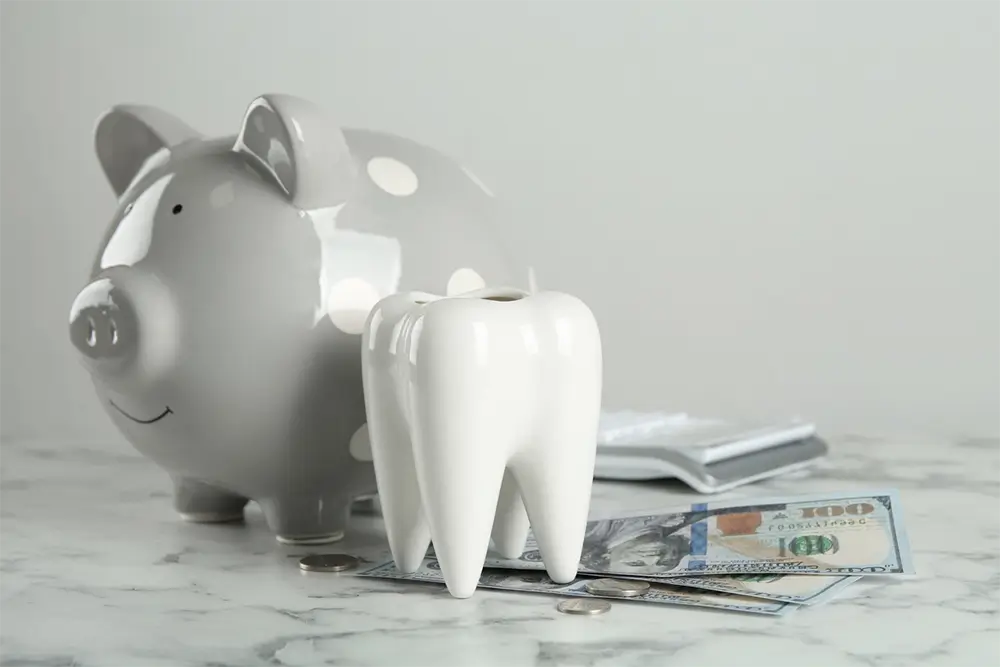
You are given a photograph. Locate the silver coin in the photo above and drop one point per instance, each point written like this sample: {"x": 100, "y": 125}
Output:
{"x": 328, "y": 563}
{"x": 584, "y": 607}
{"x": 619, "y": 588}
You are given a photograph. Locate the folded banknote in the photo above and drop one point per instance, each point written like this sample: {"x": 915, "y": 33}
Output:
{"x": 795, "y": 588}
{"x": 849, "y": 534}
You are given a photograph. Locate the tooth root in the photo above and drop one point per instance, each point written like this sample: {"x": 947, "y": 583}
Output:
{"x": 392, "y": 453}
{"x": 510, "y": 525}
{"x": 555, "y": 471}
{"x": 399, "y": 493}
{"x": 460, "y": 474}
{"x": 555, "y": 479}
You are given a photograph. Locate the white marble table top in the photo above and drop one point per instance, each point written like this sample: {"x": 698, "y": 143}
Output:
{"x": 97, "y": 570}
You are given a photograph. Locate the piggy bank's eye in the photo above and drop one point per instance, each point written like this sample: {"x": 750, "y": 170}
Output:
{"x": 177, "y": 209}
{"x": 128, "y": 208}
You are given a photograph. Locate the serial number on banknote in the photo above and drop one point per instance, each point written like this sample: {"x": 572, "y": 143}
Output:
{"x": 815, "y": 524}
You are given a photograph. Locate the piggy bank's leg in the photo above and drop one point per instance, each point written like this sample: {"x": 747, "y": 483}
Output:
{"x": 367, "y": 506}
{"x": 202, "y": 503}
{"x": 307, "y": 520}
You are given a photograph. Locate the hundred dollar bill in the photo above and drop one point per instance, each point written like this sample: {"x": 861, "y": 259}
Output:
{"x": 826, "y": 534}
{"x": 534, "y": 581}
{"x": 794, "y": 588}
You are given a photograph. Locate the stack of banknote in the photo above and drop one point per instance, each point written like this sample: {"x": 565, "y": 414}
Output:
{"x": 768, "y": 556}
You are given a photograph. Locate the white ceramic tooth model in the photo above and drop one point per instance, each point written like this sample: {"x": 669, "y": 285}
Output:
{"x": 475, "y": 403}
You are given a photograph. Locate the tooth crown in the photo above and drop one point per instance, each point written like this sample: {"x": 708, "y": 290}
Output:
{"x": 483, "y": 411}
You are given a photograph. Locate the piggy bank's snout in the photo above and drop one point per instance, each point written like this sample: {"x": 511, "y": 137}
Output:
{"x": 102, "y": 323}
{"x": 125, "y": 326}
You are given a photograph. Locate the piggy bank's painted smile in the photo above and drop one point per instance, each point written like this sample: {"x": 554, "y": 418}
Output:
{"x": 166, "y": 411}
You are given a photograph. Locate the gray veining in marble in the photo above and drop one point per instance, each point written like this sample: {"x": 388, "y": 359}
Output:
{"x": 98, "y": 571}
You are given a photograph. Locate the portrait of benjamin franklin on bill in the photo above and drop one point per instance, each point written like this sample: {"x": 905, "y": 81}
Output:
{"x": 635, "y": 545}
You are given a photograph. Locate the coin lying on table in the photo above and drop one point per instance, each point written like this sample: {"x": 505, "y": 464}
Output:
{"x": 619, "y": 588}
{"x": 584, "y": 607}
{"x": 328, "y": 563}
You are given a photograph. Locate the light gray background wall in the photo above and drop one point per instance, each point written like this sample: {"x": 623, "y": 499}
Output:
{"x": 774, "y": 208}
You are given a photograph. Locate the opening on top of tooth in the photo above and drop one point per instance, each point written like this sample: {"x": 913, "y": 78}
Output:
{"x": 500, "y": 294}
{"x": 503, "y": 297}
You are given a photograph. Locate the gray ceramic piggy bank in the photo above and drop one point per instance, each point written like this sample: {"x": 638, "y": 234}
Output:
{"x": 222, "y": 320}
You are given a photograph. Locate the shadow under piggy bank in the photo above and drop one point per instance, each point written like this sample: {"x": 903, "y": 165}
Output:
{"x": 222, "y": 321}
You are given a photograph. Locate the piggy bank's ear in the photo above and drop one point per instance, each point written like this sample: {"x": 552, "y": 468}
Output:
{"x": 128, "y": 135}
{"x": 301, "y": 147}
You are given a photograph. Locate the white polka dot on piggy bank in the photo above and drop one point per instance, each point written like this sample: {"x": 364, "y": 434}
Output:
{"x": 222, "y": 321}
{"x": 465, "y": 280}
{"x": 392, "y": 176}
